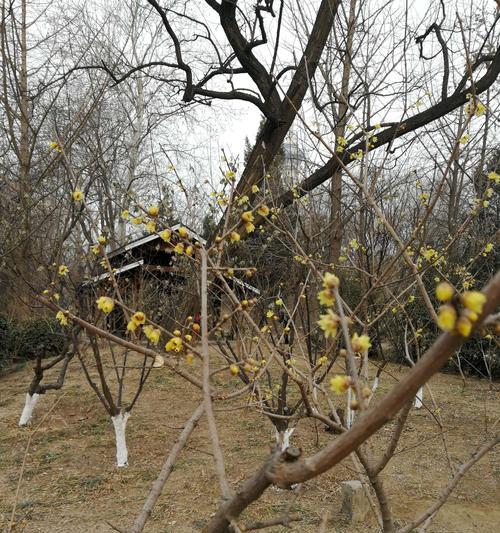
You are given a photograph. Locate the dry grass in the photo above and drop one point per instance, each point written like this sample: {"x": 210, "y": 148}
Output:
{"x": 71, "y": 485}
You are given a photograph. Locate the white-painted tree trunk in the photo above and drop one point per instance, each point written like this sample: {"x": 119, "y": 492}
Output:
{"x": 29, "y": 405}
{"x": 120, "y": 424}
{"x": 283, "y": 438}
{"x": 349, "y": 411}
{"x": 419, "y": 398}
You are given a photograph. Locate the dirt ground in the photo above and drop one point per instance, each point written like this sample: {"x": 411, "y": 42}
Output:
{"x": 70, "y": 483}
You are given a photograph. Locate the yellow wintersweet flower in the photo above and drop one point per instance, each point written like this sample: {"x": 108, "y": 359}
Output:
{"x": 278, "y": 302}
{"x": 255, "y": 189}
{"x": 471, "y": 315}
{"x": 263, "y": 210}
{"x": 243, "y": 200}
{"x": 136, "y": 221}
{"x": 188, "y": 337}
{"x": 357, "y": 155}
{"x": 165, "y": 235}
{"x": 249, "y": 227}
{"x": 101, "y": 239}
{"x": 77, "y": 195}
{"x": 341, "y": 141}
{"x": 247, "y": 216}
{"x": 444, "y": 292}
{"x": 177, "y": 332}
{"x": 189, "y": 358}
{"x": 55, "y": 146}
{"x": 340, "y": 384}
{"x": 179, "y": 248}
{"x": 234, "y": 370}
{"x": 464, "y": 326}
{"x": 139, "y": 317}
{"x": 329, "y": 323}
{"x": 360, "y": 343}
{"x": 330, "y": 281}
{"x": 152, "y": 334}
{"x": 429, "y": 253}
{"x": 174, "y": 345}
{"x": 183, "y": 232}
{"x": 63, "y": 270}
{"x": 151, "y": 226}
{"x": 326, "y": 297}
{"x": 322, "y": 360}
{"x": 63, "y": 319}
{"x": 473, "y": 300}
{"x": 95, "y": 249}
{"x": 105, "y": 304}
{"x": 493, "y": 176}
{"x": 354, "y": 244}
{"x": 230, "y": 175}
{"x": 270, "y": 313}
{"x": 153, "y": 210}
{"x": 464, "y": 139}
{"x": 189, "y": 250}
{"x": 125, "y": 214}
{"x": 132, "y": 326}
{"x": 447, "y": 317}
{"x": 480, "y": 109}
{"x": 488, "y": 247}
{"x": 235, "y": 236}
{"x": 474, "y": 106}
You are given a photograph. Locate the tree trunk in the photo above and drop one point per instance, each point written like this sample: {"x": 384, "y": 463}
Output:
{"x": 120, "y": 424}
{"x": 283, "y": 438}
{"x": 29, "y": 405}
{"x": 419, "y": 398}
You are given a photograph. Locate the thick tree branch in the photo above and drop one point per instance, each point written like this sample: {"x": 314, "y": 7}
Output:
{"x": 388, "y": 136}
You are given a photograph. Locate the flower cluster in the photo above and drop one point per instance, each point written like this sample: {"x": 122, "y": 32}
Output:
{"x": 136, "y": 320}
{"x": 326, "y": 296}
{"x": 453, "y": 319}
{"x": 105, "y": 304}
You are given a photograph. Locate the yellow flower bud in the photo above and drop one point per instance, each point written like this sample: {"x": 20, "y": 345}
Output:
{"x": 77, "y": 195}
{"x": 473, "y": 300}
{"x": 464, "y": 326}
{"x": 340, "y": 384}
{"x": 360, "y": 343}
{"x": 447, "y": 317}
{"x": 153, "y": 210}
{"x": 444, "y": 292}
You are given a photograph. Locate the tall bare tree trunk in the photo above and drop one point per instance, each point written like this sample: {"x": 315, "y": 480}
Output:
{"x": 336, "y": 218}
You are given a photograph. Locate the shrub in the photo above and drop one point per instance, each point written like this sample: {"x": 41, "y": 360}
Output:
{"x": 38, "y": 332}
{"x": 6, "y": 342}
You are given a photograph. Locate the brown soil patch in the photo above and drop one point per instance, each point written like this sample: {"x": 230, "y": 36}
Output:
{"x": 70, "y": 483}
